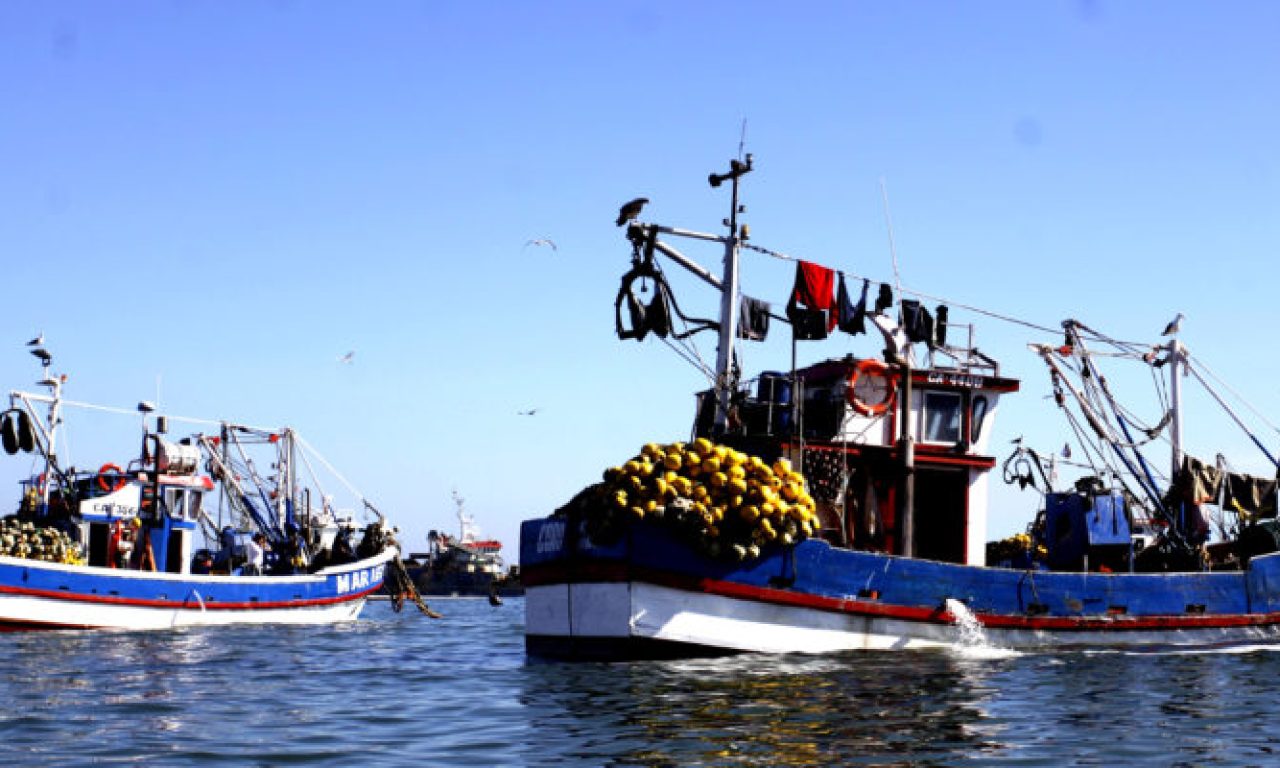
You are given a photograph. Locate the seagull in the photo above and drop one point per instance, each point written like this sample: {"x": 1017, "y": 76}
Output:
{"x": 43, "y": 354}
{"x": 348, "y": 357}
{"x": 542, "y": 241}
{"x": 529, "y": 412}
{"x": 630, "y": 210}
{"x": 37, "y": 341}
{"x": 1173, "y": 327}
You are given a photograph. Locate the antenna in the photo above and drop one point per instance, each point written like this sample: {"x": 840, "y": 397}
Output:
{"x": 893, "y": 250}
{"x": 742, "y": 138}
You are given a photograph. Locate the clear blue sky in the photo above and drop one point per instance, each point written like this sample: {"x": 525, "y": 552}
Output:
{"x": 222, "y": 198}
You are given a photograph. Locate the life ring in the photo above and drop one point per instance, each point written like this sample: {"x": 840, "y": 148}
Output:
{"x": 865, "y": 372}
{"x": 114, "y": 482}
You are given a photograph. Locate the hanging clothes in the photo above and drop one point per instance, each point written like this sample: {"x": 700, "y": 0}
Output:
{"x": 753, "y": 322}
{"x": 808, "y": 324}
{"x": 940, "y": 326}
{"x": 1252, "y": 495}
{"x": 1197, "y": 482}
{"x": 850, "y": 316}
{"x": 884, "y": 299}
{"x": 814, "y": 289}
{"x": 916, "y": 321}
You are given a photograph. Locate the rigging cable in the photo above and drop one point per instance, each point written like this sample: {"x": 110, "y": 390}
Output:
{"x": 968, "y": 307}
{"x": 1234, "y": 417}
{"x": 338, "y": 475}
{"x": 1187, "y": 358}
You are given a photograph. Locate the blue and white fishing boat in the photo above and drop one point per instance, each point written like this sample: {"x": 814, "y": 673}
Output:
{"x": 144, "y": 544}
{"x": 843, "y": 505}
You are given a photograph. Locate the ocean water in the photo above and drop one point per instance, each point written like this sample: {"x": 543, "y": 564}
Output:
{"x": 403, "y": 690}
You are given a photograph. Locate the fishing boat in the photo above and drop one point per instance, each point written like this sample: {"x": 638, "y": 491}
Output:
{"x": 209, "y": 529}
{"x": 843, "y": 505}
{"x": 466, "y": 565}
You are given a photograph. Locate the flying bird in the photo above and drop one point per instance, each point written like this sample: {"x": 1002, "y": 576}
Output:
{"x": 542, "y": 241}
{"x": 529, "y": 412}
{"x": 37, "y": 341}
{"x": 348, "y": 357}
{"x": 630, "y": 210}
{"x": 1174, "y": 326}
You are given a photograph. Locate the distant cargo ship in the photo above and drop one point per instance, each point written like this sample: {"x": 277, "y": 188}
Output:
{"x": 463, "y": 566}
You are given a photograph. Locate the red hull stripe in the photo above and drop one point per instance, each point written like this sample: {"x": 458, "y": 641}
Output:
{"x": 189, "y": 604}
{"x": 619, "y": 572}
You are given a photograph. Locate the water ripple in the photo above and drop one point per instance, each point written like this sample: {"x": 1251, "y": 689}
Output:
{"x": 398, "y": 689}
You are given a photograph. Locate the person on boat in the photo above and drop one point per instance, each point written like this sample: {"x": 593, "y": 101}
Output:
{"x": 224, "y": 561}
{"x": 124, "y": 545}
{"x": 342, "y": 551}
{"x": 202, "y": 563}
{"x": 293, "y": 552}
{"x": 255, "y": 552}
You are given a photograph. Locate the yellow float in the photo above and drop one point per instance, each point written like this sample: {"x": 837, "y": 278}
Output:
{"x": 723, "y": 501}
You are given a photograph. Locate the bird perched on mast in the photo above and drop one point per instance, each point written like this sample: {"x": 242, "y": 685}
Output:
{"x": 1174, "y": 326}
{"x": 630, "y": 210}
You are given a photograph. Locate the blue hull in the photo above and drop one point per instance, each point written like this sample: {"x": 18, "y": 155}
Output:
{"x": 39, "y": 595}
{"x": 803, "y": 597}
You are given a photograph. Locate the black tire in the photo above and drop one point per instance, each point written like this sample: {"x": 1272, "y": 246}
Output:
{"x": 9, "y": 434}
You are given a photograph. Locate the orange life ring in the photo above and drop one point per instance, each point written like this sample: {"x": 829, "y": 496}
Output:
{"x": 865, "y": 370}
{"x": 113, "y": 483}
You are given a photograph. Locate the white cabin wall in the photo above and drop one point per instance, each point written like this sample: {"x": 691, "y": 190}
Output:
{"x": 976, "y": 540}
{"x": 865, "y": 430}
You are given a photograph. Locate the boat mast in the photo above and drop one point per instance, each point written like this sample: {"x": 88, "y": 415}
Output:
{"x": 726, "y": 377}
{"x": 54, "y": 383}
{"x": 1175, "y": 404}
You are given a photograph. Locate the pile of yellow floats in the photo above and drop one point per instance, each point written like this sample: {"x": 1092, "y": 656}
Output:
{"x": 1019, "y": 548}
{"x": 725, "y": 502}
{"x": 25, "y": 540}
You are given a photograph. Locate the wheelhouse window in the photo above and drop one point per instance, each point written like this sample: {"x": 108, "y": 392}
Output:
{"x": 977, "y": 417}
{"x": 183, "y": 504}
{"x": 176, "y": 500}
{"x": 942, "y": 412}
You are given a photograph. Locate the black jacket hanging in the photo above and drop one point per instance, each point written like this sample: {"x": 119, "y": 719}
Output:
{"x": 916, "y": 321}
{"x": 884, "y": 299}
{"x": 753, "y": 321}
{"x": 851, "y": 315}
{"x": 940, "y": 326}
{"x": 808, "y": 324}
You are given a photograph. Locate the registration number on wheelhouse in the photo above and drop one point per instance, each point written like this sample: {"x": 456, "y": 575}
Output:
{"x": 362, "y": 579}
